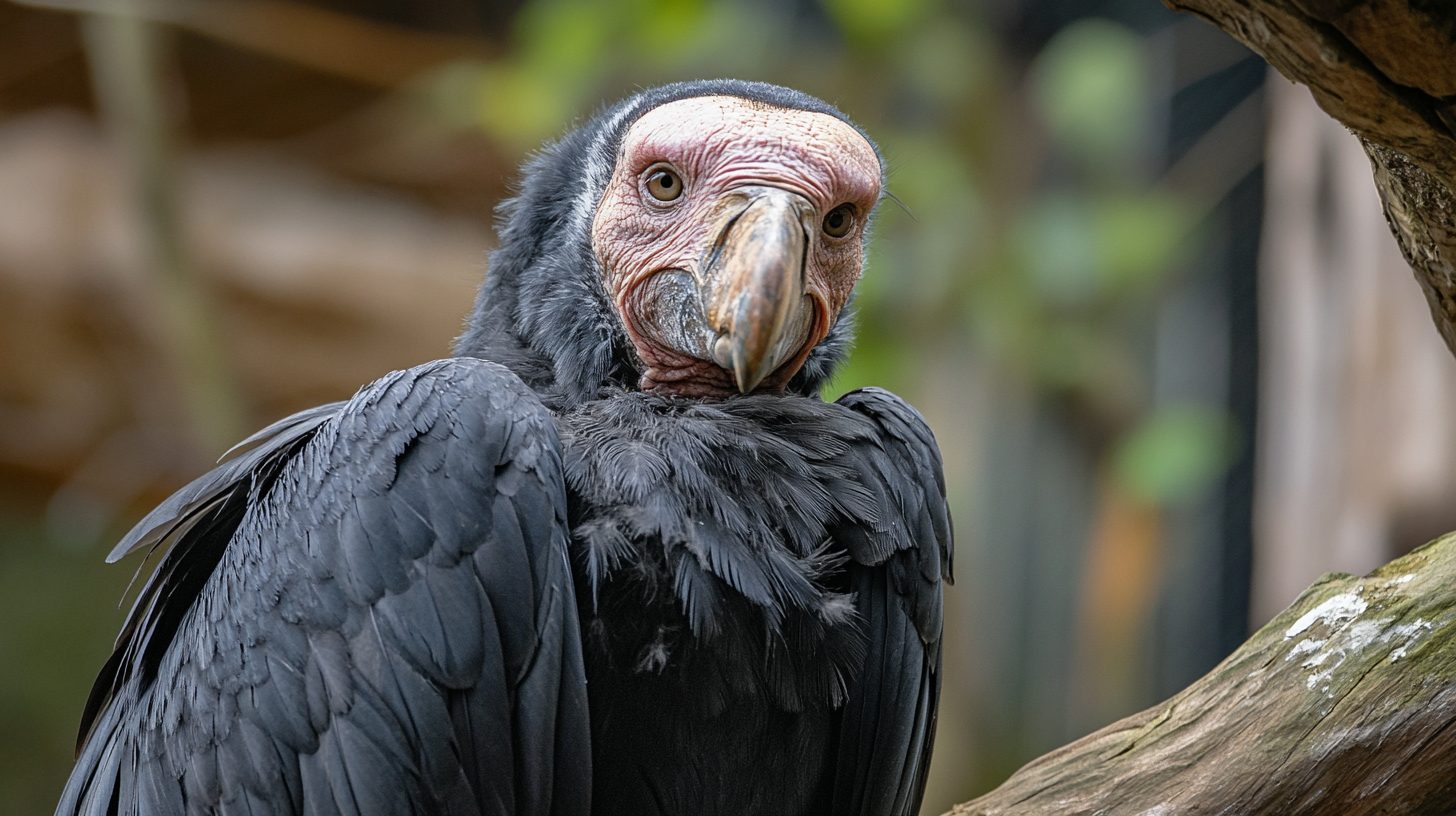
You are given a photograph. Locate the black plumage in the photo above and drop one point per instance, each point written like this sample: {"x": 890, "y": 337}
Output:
{"x": 511, "y": 582}
{"x": 760, "y": 590}
{"x": 370, "y": 612}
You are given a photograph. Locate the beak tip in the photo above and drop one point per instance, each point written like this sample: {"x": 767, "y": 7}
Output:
{"x": 757, "y": 286}
{"x": 744, "y": 377}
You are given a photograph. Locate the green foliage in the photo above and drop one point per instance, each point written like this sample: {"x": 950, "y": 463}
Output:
{"x": 873, "y": 23}
{"x": 63, "y": 599}
{"x": 518, "y": 105}
{"x": 1175, "y": 454}
{"x": 1142, "y": 238}
{"x": 1081, "y": 249}
{"x": 1090, "y": 86}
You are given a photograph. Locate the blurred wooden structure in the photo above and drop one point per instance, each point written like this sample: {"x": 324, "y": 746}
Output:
{"x": 322, "y": 286}
{"x": 1358, "y": 451}
{"x": 339, "y": 225}
{"x": 1346, "y": 701}
{"x": 337, "y": 236}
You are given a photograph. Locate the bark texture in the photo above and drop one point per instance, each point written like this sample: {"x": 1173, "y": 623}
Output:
{"x": 1344, "y": 703}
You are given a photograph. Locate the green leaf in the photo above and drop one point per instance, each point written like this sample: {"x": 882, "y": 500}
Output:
{"x": 1056, "y": 243}
{"x": 1141, "y": 238}
{"x": 1175, "y": 454}
{"x": 875, "y": 22}
{"x": 520, "y": 107}
{"x": 1089, "y": 84}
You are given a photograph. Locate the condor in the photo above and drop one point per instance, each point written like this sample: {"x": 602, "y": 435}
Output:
{"x": 613, "y": 556}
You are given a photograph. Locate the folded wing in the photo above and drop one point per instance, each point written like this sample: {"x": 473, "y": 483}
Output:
{"x": 897, "y": 571}
{"x": 368, "y": 611}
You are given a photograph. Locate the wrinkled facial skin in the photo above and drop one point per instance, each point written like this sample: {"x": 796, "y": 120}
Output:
{"x": 757, "y": 184}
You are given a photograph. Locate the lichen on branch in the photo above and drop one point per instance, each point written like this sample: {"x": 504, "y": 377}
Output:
{"x": 1344, "y": 703}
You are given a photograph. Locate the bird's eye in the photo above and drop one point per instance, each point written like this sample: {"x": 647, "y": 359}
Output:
{"x": 663, "y": 184}
{"x": 839, "y": 221}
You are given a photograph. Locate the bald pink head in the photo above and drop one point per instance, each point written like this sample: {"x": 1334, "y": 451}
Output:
{"x": 730, "y": 236}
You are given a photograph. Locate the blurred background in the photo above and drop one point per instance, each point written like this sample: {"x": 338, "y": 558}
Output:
{"x": 1142, "y": 290}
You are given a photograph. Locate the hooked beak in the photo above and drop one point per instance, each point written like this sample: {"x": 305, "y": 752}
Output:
{"x": 752, "y": 285}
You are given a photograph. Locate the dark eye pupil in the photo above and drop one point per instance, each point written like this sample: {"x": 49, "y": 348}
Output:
{"x": 664, "y": 185}
{"x": 839, "y": 221}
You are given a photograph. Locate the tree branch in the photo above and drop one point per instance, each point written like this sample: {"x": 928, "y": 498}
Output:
{"x": 1344, "y": 703}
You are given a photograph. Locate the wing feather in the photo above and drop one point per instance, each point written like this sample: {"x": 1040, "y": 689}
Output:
{"x": 367, "y": 611}
{"x": 898, "y": 568}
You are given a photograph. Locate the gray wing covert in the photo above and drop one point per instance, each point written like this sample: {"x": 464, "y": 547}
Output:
{"x": 369, "y": 611}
